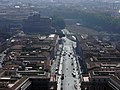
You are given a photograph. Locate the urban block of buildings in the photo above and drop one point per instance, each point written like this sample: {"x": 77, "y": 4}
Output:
{"x": 102, "y": 60}
{"x": 27, "y": 64}
{"x": 37, "y": 24}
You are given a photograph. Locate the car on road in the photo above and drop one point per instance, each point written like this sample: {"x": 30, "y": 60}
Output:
{"x": 63, "y": 54}
{"x": 73, "y": 74}
{"x": 56, "y": 69}
{"x": 77, "y": 69}
{"x": 75, "y": 86}
{"x": 72, "y": 64}
{"x": 5, "y": 52}
{"x": 69, "y": 55}
{"x": 62, "y": 77}
{"x": 56, "y": 72}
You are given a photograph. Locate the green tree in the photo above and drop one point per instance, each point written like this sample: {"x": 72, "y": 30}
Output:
{"x": 58, "y": 22}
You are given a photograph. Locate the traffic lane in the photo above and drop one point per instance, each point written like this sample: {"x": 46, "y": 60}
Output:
{"x": 68, "y": 82}
{"x": 74, "y": 45}
{"x": 77, "y": 84}
{"x": 68, "y": 71}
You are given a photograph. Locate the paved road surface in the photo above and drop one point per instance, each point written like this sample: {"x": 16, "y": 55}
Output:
{"x": 69, "y": 82}
{"x": 67, "y": 65}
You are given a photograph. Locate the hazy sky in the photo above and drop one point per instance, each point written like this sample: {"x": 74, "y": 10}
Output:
{"x": 35, "y": 1}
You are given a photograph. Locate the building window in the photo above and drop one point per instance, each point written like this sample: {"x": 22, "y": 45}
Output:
{"x": 42, "y": 61}
{"x": 40, "y": 67}
{"x": 86, "y": 88}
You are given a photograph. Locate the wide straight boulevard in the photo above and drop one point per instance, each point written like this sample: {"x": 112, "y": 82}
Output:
{"x": 68, "y": 77}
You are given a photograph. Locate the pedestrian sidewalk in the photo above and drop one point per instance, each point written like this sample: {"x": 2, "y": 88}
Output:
{"x": 60, "y": 73}
{"x": 78, "y": 84}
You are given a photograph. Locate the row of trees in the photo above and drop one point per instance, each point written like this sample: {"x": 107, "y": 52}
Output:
{"x": 58, "y": 22}
{"x": 98, "y": 21}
